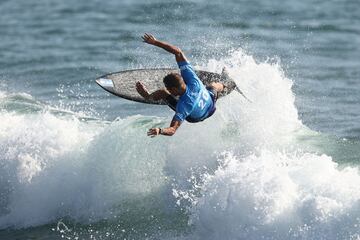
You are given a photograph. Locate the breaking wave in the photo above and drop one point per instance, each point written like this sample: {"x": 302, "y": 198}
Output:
{"x": 243, "y": 174}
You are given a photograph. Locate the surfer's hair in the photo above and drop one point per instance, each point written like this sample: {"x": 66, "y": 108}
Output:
{"x": 173, "y": 80}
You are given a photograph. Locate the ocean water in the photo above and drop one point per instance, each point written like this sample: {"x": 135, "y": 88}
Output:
{"x": 75, "y": 161}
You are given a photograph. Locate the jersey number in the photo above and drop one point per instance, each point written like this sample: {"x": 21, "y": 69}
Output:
{"x": 204, "y": 97}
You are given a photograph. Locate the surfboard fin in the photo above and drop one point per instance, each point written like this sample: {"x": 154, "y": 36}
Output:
{"x": 230, "y": 84}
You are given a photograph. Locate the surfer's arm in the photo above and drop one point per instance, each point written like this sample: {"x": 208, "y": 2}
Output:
{"x": 175, "y": 124}
{"x": 179, "y": 55}
{"x": 155, "y": 96}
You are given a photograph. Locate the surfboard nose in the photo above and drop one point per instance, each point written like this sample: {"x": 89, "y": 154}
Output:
{"x": 106, "y": 83}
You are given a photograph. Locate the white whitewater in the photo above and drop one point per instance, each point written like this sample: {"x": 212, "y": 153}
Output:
{"x": 240, "y": 174}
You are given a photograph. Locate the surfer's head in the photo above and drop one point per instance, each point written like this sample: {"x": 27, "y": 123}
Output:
{"x": 174, "y": 83}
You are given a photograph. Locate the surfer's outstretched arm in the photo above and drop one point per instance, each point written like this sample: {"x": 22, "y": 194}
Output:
{"x": 175, "y": 124}
{"x": 179, "y": 55}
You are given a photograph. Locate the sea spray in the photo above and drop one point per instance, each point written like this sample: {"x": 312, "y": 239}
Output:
{"x": 278, "y": 196}
{"x": 268, "y": 186}
{"x": 240, "y": 174}
{"x": 62, "y": 167}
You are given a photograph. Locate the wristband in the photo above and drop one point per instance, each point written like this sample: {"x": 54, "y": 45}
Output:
{"x": 160, "y": 130}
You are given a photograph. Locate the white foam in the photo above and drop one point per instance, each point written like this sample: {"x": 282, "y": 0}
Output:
{"x": 61, "y": 167}
{"x": 278, "y": 196}
{"x": 272, "y": 115}
{"x": 53, "y": 167}
{"x": 32, "y": 147}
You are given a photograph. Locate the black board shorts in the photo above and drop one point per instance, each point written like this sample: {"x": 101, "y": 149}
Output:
{"x": 172, "y": 102}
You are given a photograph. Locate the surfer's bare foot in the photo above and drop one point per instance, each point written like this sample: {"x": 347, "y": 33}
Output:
{"x": 219, "y": 87}
{"x": 141, "y": 89}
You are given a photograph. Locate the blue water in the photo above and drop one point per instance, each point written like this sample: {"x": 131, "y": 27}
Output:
{"x": 75, "y": 162}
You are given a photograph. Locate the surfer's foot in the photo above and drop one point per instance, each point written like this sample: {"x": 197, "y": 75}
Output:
{"x": 228, "y": 84}
{"x": 218, "y": 87}
{"x": 141, "y": 89}
{"x": 228, "y": 87}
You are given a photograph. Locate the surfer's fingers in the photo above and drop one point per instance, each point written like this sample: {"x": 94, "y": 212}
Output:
{"x": 152, "y": 132}
{"x": 140, "y": 86}
{"x": 147, "y": 35}
{"x": 145, "y": 39}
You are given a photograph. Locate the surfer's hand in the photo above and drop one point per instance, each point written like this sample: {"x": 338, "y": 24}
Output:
{"x": 141, "y": 89}
{"x": 153, "y": 132}
{"x": 148, "y": 38}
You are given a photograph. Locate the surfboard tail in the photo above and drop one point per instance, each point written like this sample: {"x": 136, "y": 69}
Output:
{"x": 230, "y": 84}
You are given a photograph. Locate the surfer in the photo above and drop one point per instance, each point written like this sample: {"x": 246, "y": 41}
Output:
{"x": 196, "y": 102}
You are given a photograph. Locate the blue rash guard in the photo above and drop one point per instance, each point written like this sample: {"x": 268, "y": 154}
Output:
{"x": 196, "y": 102}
